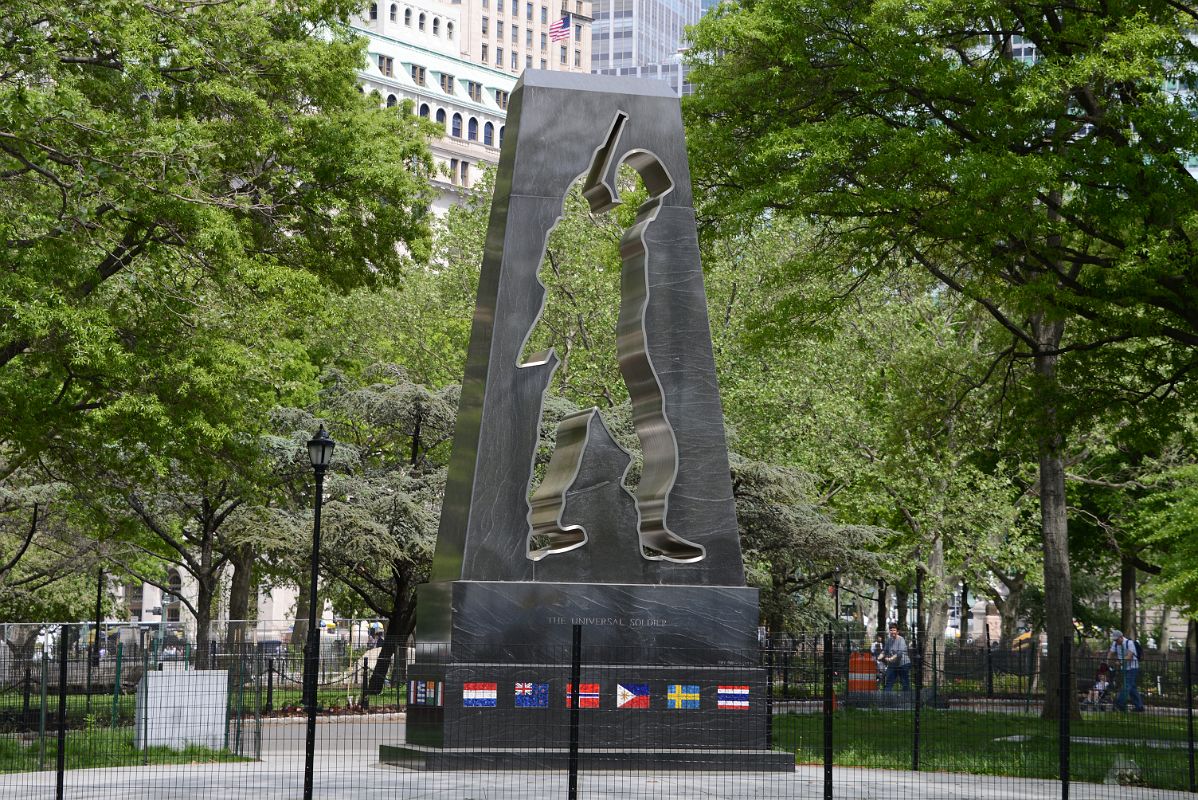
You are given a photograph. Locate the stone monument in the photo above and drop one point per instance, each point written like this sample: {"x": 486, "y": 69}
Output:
{"x": 654, "y": 578}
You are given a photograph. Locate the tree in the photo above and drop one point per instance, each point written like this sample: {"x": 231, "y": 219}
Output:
{"x": 1030, "y": 158}
{"x": 175, "y": 175}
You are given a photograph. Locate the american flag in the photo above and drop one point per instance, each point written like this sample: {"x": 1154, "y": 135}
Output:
{"x": 560, "y": 29}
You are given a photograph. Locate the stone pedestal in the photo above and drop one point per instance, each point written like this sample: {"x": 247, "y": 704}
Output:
{"x": 675, "y": 647}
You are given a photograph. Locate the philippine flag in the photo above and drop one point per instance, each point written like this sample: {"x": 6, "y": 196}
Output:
{"x": 632, "y": 695}
{"x": 588, "y": 695}
{"x": 479, "y": 695}
{"x": 732, "y": 697}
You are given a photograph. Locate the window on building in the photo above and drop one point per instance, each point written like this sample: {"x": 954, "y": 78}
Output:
{"x": 544, "y": 15}
{"x": 488, "y": 134}
{"x": 499, "y": 28}
{"x": 441, "y": 118}
{"x": 528, "y": 60}
{"x": 544, "y": 42}
{"x": 475, "y": 90}
{"x": 418, "y": 74}
{"x": 501, "y": 98}
{"x": 424, "y": 110}
{"x": 453, "y": 170}
{"x": 501, "y": 130}
{"x": 528, "y": 38}
{"x": 465, "y": 173}
{"x": 515, "y": 35}
{"x": 133, "y": 599}
{"x": 407, "y": 17}
{"x": 499, "y": 56}
{"x": 455, "y": 129}
{"x": 472, "y": 130}
{"x": 387, "y": 65}
{"x": 420, "y": 23}
{"x": 499, "y": 6}
{"x": 515, "y": 60}
{"x": 486, "y": 26}
{"x": 391, "y": 101}
{"x": 528, "y": 11}
{"x": 578, "y": 33}
{"x": 446, "y": 83}
{"x": 437, "y": 26}
{"x": 563, "y": 54}
{"x": 544, "y": 64}
{"x": 171, "y": 604}
{"x": 374, "y": 10}
{"x": 577, "y": 6}
{"x": 484, "y": 53}
{"x": 394, "y": 13}
{"x": 578, "y": 58}
{"x": 449, "y": 31}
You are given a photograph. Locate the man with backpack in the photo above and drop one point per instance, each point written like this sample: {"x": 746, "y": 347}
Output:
{"x": 1126, "y": 656}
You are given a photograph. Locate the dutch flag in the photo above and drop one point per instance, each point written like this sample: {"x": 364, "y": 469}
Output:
{"x": 479, "y": 695}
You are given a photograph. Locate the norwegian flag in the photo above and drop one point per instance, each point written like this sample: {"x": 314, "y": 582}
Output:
{"x": 588, "y": 695}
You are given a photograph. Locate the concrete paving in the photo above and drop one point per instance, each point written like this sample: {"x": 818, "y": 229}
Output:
{"x": 347, "y": 769}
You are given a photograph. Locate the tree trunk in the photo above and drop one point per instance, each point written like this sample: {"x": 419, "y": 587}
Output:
{"x": 299, "y": 628}
{"x": 883, "y": 608}
{"x": 1127, "y": 597}
{"x": 399, "y": 626}
{"x": 206, "y": 591}
{"x": 901, "y": 596}
{"x": 1058, "y": 586}
{"x": 240, "y": 589}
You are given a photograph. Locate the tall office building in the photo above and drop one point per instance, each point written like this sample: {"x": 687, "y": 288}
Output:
{"x": 458, "y": 63}
{"x": 639, "y": 33}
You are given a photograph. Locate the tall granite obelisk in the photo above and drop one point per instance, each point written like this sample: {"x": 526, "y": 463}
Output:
{"x": 654, "y": 576}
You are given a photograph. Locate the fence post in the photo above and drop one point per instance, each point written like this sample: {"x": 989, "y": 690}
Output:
{"x": 61, "y": 760}
{"x": 270, "y": 684}
{"x": 918, "y": 660}
{"x": 116, "y": 685}
{"x": 575, "y": 702}
{"x": 145, "y": 706}
{"x": 769, "y": 696}
{"x": 989, "y": 666}
{"x": 936, "y": 671}
{"x": 828, "y": 703}
{"x": 1064, "y": 705}
{"x": 786, "y": 672}
{"x": 1190, "y": 715}
{"x": 28, "y": 687}
{"x": 365, "y": 701}
{"x": 41, "y": 725}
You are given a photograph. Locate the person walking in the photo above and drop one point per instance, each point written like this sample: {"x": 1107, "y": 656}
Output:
{"x": 1126, "y": 656}
{"x": 898, "y": 663}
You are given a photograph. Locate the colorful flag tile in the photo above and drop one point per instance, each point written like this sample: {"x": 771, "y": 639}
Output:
{"x": 732, "y": 697}
{"x": 532, "y": 695}
{"x": 588, "y": 695}
{"x": 479, "y": 695}
{"x": 682, "y": 695}
{"x": 632, "y": 695}
{"x": 424, "y": 693}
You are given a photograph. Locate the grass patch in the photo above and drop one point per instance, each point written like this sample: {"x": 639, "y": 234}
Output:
{"x": 87, "y": 749}
{"x": 1014, "y": 745}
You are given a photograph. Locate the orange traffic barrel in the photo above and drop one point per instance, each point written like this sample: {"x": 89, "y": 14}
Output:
{"x": 863, "y": 673}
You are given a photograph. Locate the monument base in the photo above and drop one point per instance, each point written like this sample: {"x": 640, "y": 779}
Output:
{"x": 670, "y": 677}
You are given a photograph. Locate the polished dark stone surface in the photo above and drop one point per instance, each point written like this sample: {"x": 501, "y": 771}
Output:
{"x": 622, "y": 623}
{"x": 686, "y": 522}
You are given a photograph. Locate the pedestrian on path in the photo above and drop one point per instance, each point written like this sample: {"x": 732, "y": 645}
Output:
{"x": 1126, "y": 656}
{"x": 898, "y": 663}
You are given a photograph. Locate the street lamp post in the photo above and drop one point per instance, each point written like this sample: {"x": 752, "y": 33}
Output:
{"x": 320, "y": 453}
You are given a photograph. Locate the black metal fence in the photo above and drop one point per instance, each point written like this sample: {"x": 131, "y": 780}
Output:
{"x": 807, "y": 717}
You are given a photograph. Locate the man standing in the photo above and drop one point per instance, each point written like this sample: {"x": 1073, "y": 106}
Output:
{"x": 1123, "y": 654}
{"x": 898, "y": 663}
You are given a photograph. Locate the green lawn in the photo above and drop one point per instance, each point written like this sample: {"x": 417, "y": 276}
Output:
{"x": 86, "y": 749}
{"x": 992, "y": 743}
